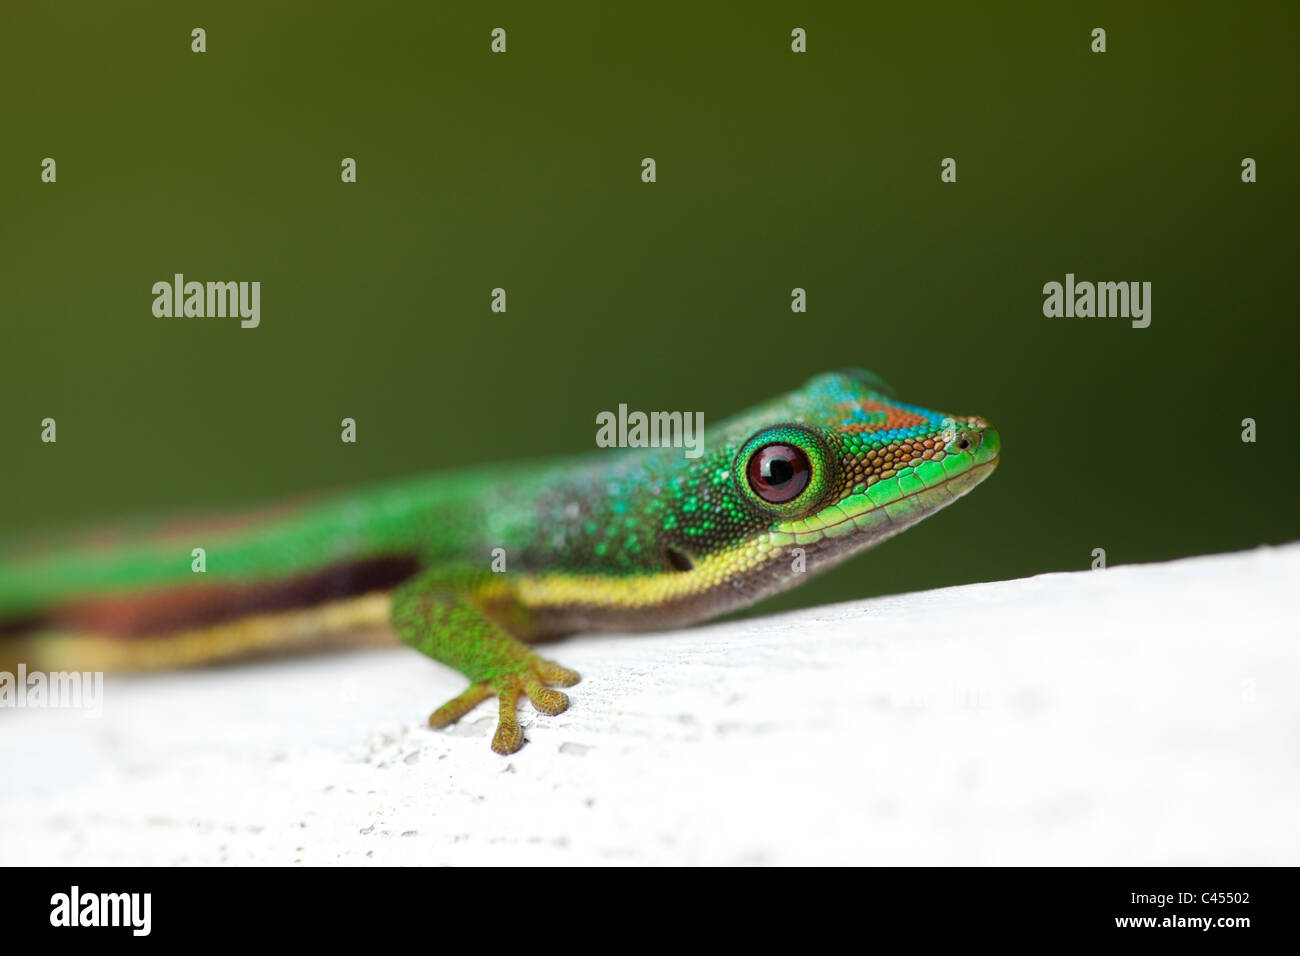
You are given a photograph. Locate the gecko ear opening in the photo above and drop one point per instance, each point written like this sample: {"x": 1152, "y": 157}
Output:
{"x": 677, "y": 560}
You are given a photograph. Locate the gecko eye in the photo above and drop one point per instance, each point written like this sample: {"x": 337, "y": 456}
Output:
{"x": 778, "y": 473}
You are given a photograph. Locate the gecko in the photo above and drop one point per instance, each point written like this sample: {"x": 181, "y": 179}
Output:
{"x": 475, "y": 567}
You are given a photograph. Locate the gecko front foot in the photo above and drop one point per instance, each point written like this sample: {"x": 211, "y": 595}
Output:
{"x": 530, "y": 679}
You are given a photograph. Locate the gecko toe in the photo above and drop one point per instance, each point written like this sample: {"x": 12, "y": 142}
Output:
{"x": 458, "y": 707}
{"x": 509, "y": 736}
{"x": 553, "y": 673}
{"x": 545, "y": 700}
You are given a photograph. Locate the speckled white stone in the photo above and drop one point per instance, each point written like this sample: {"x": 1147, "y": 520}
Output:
{"x": 1139, "y": 715}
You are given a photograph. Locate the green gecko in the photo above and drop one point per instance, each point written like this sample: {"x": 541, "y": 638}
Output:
{"x": 471, "y": 567}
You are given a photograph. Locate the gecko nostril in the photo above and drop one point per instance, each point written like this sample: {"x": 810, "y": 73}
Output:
{"x": 971, "y": 437}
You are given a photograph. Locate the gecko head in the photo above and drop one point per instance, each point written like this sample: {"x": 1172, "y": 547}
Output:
{"x": 848, "y": 465}
{"x": 798, "y": 484}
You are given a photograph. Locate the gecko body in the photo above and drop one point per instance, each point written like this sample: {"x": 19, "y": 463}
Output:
{"x": 472, "y": 567}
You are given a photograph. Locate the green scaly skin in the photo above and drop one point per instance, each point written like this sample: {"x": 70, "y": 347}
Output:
{"x": 627, "y": 539}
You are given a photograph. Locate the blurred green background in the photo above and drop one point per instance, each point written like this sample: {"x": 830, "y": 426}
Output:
{"x": 775, "y": 170}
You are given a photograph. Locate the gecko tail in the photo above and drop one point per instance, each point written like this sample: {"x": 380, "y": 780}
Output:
{"x": 355, "y": 622}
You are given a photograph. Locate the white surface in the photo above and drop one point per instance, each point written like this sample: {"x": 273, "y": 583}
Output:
{"x": 1138, "y": 715}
